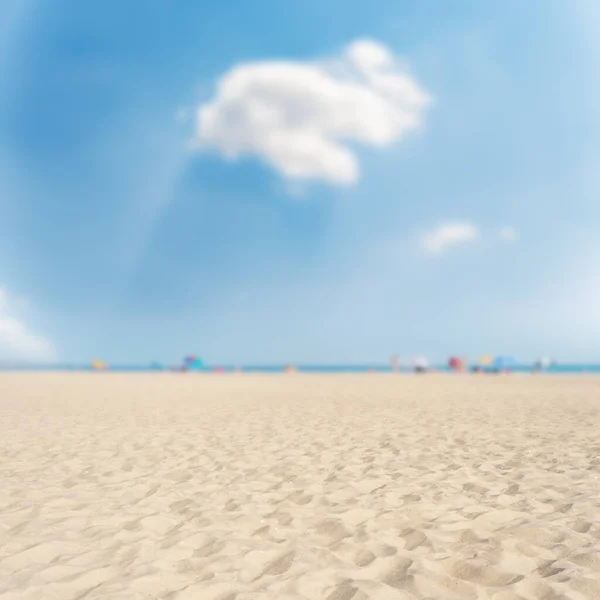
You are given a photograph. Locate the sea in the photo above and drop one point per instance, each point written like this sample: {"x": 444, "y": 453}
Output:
{"x": 567, "y": 368}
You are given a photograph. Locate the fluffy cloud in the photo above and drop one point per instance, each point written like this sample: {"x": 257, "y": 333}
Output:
{"x": 17, "y": 342}
{"x": 508, "y": 234}
{"x": 447, "y": 235}
{"x": 299, "y": 117}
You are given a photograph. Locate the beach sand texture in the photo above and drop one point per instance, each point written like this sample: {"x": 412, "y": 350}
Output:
{"x": 201, "y": 487}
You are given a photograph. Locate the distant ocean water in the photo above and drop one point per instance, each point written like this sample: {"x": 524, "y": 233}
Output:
{"x": 519, "y": 368}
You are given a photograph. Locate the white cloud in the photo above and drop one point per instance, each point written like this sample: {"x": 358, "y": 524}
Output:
{"x": 299, "y": 117}
{"x": 17, "y": 342}
{"x": 446, "y": 235}
{"x": 508, "y": 234}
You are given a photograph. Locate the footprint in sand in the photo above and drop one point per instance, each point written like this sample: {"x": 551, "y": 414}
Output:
{"x": 210, "y": 549}
{"x": 178, "y": 476}
{"x": 198, "y": 540}
{"x": 563, "y": 508}
{"x": 548, "y": 570}
{"x": 265, "y": 533}
{"x": 497, "y": 519}
{"x": 180, "y": 506}
{"x": 413, "y": 539}
{"x": 134, "y": 525}
{"x": 475, "y": 488}
{"x": 468, "y": 536}
{"x": 283, "y": 519}
{"x": 589, "y": 561}
{"x": 398, "y": 576}
{"x": 512, "y": 489}
{"x": 537, "y": 536}
{"x": 333, "y": 531}
{"x": 299, "y": 497}
{"x": 280, "y": 566}
{"x": 437, "y": 585}
{"x": 152, "y": 491}
{"x": 480, "y": 575}
{"x": 412, "y": 498}
{"x": 532, "y": 551}
{"x": 364, "y": 558}
{"x": 18, "y": 529}
{"x": 537, "y": 589}
{"x": 385, "y": 550}
{"x": 346, "y": 592}
{"x": 581, "y": 526}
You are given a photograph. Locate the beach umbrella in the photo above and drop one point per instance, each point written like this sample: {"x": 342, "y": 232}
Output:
{"x": 456, "y": 363}
{"x": 98, "y": 365}
{"x": 544, "y": 363}
{"x": 485, "y": 360}
{"x": 504, "y": 362}
{"x": 420, "y": 364}
{"x": 192, "y": 362}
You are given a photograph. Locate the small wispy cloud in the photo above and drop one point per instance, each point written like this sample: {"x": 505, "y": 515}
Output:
{"x": 299, "y": 117}
{"x": 508, "y": 234}
{"x": 447, "y": 235}
{"x": 17, "y": 341}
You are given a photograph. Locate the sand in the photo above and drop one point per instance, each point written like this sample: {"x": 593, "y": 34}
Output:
{"x": 181, "y": 487}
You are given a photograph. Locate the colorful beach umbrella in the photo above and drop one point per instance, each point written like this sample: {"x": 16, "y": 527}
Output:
{"x": 504, "y": 362}
{"x": 485, "y": 360}
{"x": 98, "y": 365}
{"x": 193, "y": 362}
{"x": 456, "y": 363}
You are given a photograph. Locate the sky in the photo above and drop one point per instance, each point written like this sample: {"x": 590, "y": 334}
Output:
{"x": 315, "y": 181}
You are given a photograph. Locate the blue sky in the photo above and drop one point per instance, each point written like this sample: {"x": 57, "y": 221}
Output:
{"x": 344, "y": 224}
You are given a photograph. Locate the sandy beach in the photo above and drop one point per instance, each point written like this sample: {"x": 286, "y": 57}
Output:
{"x": 202, "y": 487}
